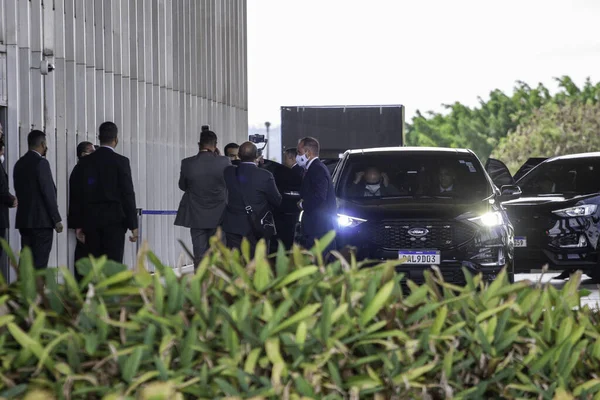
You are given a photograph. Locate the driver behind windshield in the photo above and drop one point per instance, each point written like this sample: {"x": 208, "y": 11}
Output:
{"x": 371, "y": 183}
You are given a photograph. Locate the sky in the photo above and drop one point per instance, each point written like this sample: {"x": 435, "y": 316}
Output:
{"x": 419, "y": 53}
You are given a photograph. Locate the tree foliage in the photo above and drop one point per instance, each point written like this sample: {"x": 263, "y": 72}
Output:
{"x": 552, "y": 130}
{"x": 484, "y": 127}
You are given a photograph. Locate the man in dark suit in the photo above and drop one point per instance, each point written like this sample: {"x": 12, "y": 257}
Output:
{"x": 102, "y": 204}
{"x": 203, "y": 202}
{"x": 37, "y": 214}
{"x": 288, "y": 178}
{"x": 7, "y": 200}
{"x": 81, "y": 249}
{"x": 257, "y": 186}
{"x": 318, "y": 201}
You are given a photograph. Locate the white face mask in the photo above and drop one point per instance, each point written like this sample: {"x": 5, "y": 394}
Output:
{"x": 373, "y": 189}
{"x": 302, "y": 160}
{"x": 2, "y": 159}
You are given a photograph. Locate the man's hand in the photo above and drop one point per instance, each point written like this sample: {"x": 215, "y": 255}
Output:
{"x": 80, "y": 235}
{"x": 134, "y": 236}
{"x": 386, "y": 179}
{"x": 59, "y": 227}
{"x": 358, "y": 177}
{"x": 15, "y": 203}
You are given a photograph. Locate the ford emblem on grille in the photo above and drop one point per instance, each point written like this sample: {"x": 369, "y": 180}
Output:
{"x": 418, "y": 232}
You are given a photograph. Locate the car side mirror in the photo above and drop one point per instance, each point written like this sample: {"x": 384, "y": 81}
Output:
{"x": 510, "y": 192}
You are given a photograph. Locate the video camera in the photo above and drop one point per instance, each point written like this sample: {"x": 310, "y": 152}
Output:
{"x": 256, "y": 138}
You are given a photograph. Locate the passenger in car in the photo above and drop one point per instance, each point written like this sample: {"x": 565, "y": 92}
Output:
{"x": 371, "y": 183}
{"x": 447, "y": 178}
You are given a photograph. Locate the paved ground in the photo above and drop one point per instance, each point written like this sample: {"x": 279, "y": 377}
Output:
{"x": 593, "y": 300}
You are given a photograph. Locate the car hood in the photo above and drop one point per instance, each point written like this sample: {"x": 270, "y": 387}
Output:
{"x": 411, "y": 208}
{"x": 557, "y": 201}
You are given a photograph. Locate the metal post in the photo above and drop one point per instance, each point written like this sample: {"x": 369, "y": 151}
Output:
{"x": 139, "y": 241}
{"x": 267, "y": 125}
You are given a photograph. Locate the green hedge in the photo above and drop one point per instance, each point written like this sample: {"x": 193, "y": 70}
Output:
{"x": 290, "y": 327}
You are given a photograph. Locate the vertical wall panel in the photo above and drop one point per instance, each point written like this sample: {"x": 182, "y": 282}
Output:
{"x": 158, "y": 68}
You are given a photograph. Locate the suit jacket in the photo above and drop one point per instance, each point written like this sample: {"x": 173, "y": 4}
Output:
{"x": 101, "y": 192}
{"x": 318, "y": 200}
{"x": 258, "y": 186}
{"x": 6, "y": 199}
{"x": 35, "y": 189}
{"x": 288, "y": 180}
{"x": 202, "y": 180}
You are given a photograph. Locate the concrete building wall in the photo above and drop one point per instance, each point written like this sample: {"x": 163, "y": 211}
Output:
{"x": 158, "y": 68}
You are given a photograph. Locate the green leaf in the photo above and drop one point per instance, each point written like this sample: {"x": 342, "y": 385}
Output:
{"x": 301, "y": 334}
{"x": 262, "y": 275}
{"x": 159, "y": 294}
{"x": 71, "y": 283}
{"x": 297, "y": 275}
{"x": 50, "y": 347}
{"x": 27, "y": 276}
{"x": 414, "y": 373}
{"x": 251, "y": 361}
{"x": 326, "y": 321}
{"x": 132, "y": 364}
{"x": 26, "y": 342}
{"x": 226, "y": 387}
{"x": 282, "y": 261}
{"x": 377, "y": 303}
{"x": 301, "y": 315}
{"x": 115, "y": 279}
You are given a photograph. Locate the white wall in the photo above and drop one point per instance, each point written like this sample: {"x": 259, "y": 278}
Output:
{"x": 158, "y": 68}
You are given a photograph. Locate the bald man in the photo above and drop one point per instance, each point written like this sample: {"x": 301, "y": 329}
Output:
{"x": 247, "y": 186}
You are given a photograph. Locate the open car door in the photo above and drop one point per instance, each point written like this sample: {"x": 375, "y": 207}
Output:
{"x": 499, "y": 173}
{"x": 330, "y": 163}
{"x": 528, "y": 166}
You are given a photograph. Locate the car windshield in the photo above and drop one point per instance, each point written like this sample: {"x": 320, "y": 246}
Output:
{"x": 567, "y": 176}
{"x": 447, "y": 176}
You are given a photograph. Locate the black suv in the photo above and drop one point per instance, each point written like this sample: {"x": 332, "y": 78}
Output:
{"x": 557, "y": 219}
{"x": 429, "y": 206}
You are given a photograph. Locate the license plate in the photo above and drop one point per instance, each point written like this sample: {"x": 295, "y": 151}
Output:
{"x": 420, "y": 257}
{"x": 520, "y": 241}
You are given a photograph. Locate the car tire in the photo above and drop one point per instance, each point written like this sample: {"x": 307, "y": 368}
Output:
{"x": 594, "y": 274}
{"x": 511, "y": 277}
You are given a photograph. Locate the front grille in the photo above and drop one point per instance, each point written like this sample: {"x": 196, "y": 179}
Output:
{"x": 394, "y": 234}
{"x": 533, "y": 226}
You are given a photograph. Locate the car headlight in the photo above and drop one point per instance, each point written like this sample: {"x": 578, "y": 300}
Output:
{"x": 577, "y": 211}
{"x": 490, "y": 219}
{"x": 345, "y": 221}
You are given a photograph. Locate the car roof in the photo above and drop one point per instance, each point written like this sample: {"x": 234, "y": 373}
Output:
{"x": 401, "y": 149}
{"x": 574, "y": 156}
